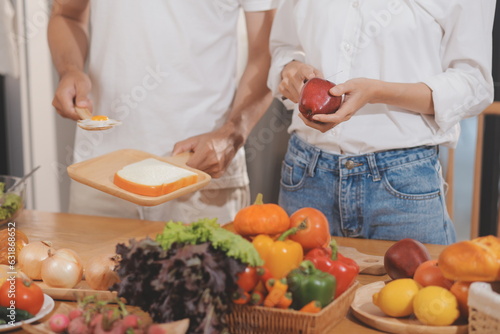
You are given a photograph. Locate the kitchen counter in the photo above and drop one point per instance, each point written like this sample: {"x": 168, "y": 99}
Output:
{"x": 92, "y": 235}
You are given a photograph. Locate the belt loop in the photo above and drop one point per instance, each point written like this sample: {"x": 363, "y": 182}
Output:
{"x": 313, "y": 162}
{"x": 372, "y": 163}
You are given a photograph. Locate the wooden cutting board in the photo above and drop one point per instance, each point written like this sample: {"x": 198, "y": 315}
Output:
{"x": 368, "y": 264}
{"x": 99, "y": 172}
{"x": 365, "y": 311}
{"x": 81, "y": 290}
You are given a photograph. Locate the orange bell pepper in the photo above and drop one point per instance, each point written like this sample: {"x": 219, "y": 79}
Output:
{"x": 280, "y": 256}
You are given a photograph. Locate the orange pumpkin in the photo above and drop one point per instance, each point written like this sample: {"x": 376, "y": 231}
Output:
{"x": 260, "y": 218}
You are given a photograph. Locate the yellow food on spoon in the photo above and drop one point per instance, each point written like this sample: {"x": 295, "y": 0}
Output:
{"x": 99, "y": 118}
{"x": 396, "y": 298}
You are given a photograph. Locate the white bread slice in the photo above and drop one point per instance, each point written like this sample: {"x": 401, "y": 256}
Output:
{"x": 152, "y": 177}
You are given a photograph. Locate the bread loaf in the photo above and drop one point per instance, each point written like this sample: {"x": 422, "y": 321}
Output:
{"x": 152, "y": 177}
{"x": 474, "y": 260}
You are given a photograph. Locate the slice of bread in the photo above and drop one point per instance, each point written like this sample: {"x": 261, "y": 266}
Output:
{"x": 152, "y": 177}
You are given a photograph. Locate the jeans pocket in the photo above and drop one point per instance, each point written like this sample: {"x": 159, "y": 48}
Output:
{"x": 292, "y": 174}
{"x": 419, "y": 180}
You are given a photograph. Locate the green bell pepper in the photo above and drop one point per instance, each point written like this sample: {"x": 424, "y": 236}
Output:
{"x": 306, "y": 283}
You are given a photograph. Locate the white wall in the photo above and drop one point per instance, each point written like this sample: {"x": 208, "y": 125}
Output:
{"x": 35, "y": 136}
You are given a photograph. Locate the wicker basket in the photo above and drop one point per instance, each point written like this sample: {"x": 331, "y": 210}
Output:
{"x": 258, "y": 319}
{"x": 484, "y": 308}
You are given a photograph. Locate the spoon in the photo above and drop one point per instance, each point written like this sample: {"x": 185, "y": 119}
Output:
{"x": 87, "y": 123}
{"x": 84, "y": 113}
{"x": 16, "y": 184}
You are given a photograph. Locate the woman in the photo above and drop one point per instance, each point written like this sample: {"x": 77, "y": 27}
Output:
{"x": 408, "y": 72}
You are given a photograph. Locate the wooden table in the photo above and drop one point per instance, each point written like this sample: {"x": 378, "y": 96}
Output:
{"x": 92, "y": 235}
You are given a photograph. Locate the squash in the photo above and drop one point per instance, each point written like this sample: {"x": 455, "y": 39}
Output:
{"x": 261, "y": 218}
{"x": 18, "y": 237}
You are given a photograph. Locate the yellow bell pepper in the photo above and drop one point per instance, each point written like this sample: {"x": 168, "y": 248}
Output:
{"x": 281, "y": 255}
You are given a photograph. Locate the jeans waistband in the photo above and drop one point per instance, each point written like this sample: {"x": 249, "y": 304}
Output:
{"x": 356, "y": 164}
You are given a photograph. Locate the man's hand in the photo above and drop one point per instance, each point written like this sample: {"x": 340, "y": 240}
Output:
{"x": 293, "y": 76}
{"x": 212, "y": 151}
{"x": 73, "y": 90}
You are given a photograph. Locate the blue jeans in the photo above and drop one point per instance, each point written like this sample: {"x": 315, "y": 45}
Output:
{"x": 387, "y": 195}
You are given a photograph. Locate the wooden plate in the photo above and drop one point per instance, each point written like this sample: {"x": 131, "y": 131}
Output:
{"x": 98, "y": 173}
{"x": 175, "y": 327}
{"x": 81, "y": 290}
{"x": 363, "y": 309}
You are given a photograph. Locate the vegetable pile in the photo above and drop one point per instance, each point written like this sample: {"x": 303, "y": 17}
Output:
{"x": 302, "y": 269}
{"x": 189, "y": 271}
{"x": 200, "y": 271}
{"x": 20, "y": 299}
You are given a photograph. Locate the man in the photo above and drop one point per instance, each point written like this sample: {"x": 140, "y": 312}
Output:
{"x": 167, "y": 70}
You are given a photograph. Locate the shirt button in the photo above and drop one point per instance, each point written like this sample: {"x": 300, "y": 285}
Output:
{"x": 349, "y": 164}
{"x": 355, "y": 4}
{"x": 347, "y": 47}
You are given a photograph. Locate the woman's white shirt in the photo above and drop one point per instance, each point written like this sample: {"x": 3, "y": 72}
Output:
{"x": 446, "y": 44}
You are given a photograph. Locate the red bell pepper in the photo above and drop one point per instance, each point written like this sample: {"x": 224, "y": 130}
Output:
{"x": 329, "y": 260}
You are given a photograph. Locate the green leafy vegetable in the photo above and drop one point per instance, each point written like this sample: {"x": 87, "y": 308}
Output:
{"x": 187, "y": 281}
{"x": 11, "y": 203}
{"x": 207, "y": 230}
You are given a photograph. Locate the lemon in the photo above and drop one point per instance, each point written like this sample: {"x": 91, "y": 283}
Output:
{"x": 435, "y": 305}
{"x": 396, "y": 298}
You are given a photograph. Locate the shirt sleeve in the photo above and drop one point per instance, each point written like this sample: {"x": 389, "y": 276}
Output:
{"x": 258, "y": 5}
{"x": 284, "y": 44}
{"x": 465, "y": 88}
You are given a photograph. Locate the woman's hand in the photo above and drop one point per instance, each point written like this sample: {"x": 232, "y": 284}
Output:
{"x": 293, "y": 76}
{"x": 357, "y": 93}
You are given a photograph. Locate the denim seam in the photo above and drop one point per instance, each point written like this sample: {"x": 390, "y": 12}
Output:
{"x": 418, "y": 197}
{"x": 372, "y": 164}
{"x": 314, "y": 161}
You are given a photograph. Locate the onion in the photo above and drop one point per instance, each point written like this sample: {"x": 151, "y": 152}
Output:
{"x": 31, "y": 256}
{"x": 62, "y": 269}
{"x": 100, "y": 273}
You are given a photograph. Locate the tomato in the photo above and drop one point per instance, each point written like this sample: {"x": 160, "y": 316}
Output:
{"x": 28, "y": 296}
{"x": 317, "y": 232}
{"x": 248, "y": 279}
{"x": 461, "y": 290}
{"x": 428, "y": 273}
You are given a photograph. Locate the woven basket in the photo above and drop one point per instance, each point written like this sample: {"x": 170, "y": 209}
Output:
{"x": 258, "y": 319}
{"x": 484, "y": 308}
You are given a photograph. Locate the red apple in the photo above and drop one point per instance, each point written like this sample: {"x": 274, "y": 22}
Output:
{"x": 315, "y": 98}
{"x": 402, "y": 258}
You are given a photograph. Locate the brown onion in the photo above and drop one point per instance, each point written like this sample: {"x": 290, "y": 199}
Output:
{"x": 100, "y": 271}
{"x": 31, "y": 256}
{"x": 62, "y": 269}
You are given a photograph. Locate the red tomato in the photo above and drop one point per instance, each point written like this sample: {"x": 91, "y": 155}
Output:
{"x": 317, "y": 232}
{"x": 428, "y": 273}
{"x": 248, "y": 279}
{"x": 28, "y": 296}
{"x": 461, "y": 291}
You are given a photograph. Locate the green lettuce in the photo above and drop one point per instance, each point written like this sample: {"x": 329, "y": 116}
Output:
{"x": 208, "y": 230}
